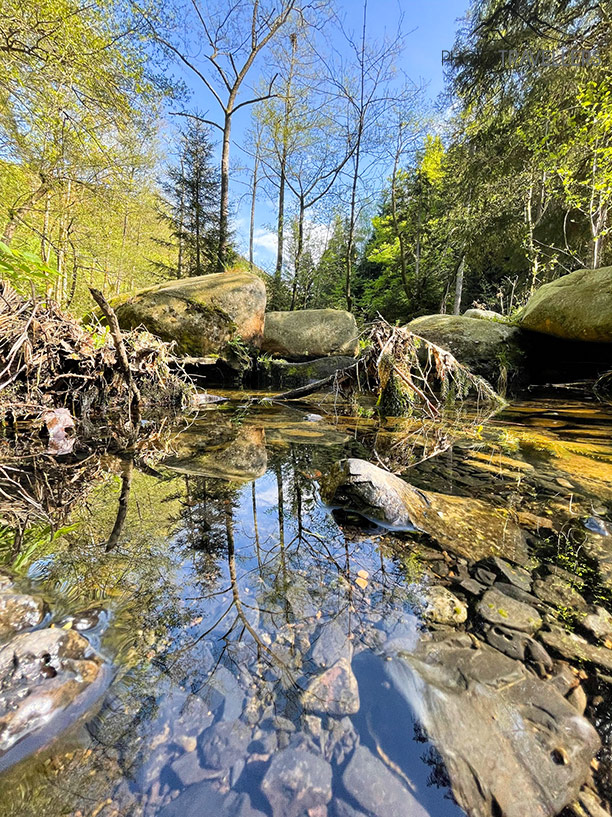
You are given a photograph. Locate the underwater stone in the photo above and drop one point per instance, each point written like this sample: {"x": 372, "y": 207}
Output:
{"x": 512, "y": 745}
{"x": 441, "y": 606}
{"x": 377, "y": 790}
{"x": 335, "y": 692}
{"x": 295, "y": 782}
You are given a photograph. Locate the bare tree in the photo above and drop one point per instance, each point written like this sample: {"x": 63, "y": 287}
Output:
{"x": 220, "y": 50}
{"x": 370, "y": 93}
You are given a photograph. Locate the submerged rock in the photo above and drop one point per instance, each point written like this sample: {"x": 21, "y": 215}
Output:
{"x": 489, "y": 348}
{"x": 201, "y": 314}
{"x": 310, "y": 333}
{"x": 577, "y": 306}
{"x": 335, "y": 692}
{"x": 377, "y": 790}
{"x": 19, "y": 612}
{"x": 297, "y": 783}
{"x": 42, "y": 673}
{"x": 220, "y": 451}
{"x": 468, "y": 527}
{"x": 512, "y": 745}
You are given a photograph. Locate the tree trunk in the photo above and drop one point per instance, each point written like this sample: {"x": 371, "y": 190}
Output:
{"x": 298, "y": 252}
{"x": 253, "y": 199}
{"x": 280, "y": 230}
{"x": 459, "y": 286}
{"x": 224, "y": 209}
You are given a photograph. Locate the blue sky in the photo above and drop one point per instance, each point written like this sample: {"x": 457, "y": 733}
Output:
{"x": 430, "y": 26}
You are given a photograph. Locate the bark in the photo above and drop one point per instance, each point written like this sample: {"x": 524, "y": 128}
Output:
{"x": 224, "y": 207}
{"x": 122, "y": 358}
{"x": 253, "y": 200}
{"x": 350, "y": 244}
{"x": 459, "y": 286}
{"x": 298, "y": 252}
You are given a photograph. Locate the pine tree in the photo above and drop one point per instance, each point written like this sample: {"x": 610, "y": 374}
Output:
{"x": 191, "y": 203}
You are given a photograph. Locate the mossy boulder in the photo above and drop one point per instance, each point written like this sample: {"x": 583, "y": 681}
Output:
{"x": 290, "y": 375}
{"x": 310, "y": 333}
{"x": 577, "y": 306}
{"x": 489, "y": 348}
{"x": 202, "y": 315}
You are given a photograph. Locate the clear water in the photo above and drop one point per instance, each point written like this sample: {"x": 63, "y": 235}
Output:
{"x": 229, "y": 571}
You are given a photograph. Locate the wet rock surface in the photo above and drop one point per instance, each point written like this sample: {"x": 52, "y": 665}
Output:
{"x": 19, "y": 612}
{"x": 281, "y": 660}
{"x": 497, "y": 608}
{"x": 465, "y": 526}
{"x": 297, "y": 783}
{"x": 511, "y": 743}
{"x": 335, "y": 692}
{"x": 376, "y": 789}
{"x": 41, "y": 674}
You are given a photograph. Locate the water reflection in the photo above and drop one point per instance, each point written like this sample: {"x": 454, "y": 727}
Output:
{"x": 232, "y": 590}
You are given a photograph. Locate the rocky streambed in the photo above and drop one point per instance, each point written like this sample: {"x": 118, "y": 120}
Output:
{"x": 284, "y": 627}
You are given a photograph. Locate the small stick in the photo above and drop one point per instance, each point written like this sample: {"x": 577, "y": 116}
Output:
{"x": 122, "y": 358}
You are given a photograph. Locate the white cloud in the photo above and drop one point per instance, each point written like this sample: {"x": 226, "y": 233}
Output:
{"x": 265, "y": 240}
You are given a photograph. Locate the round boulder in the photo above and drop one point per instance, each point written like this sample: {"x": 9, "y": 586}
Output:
{"x": 577, "y": 306}
{"x": 310, "y": 333}
{"x": 489, "y": 348}
{"x": 202, "y": 314}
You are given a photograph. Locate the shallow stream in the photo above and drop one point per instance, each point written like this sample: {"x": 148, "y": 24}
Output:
{"x": 258, "y": 643}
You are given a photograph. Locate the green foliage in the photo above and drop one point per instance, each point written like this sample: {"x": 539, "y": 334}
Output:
{"x": 24, "y": 270}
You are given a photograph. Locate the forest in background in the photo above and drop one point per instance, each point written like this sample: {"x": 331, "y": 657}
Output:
{"x": 113, "y": 178}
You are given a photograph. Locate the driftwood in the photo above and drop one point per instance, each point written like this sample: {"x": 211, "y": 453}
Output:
{"x": 409, "y": 375}
{"x": 122, "y": 358}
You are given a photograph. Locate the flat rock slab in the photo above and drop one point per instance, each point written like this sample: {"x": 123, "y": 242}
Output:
{"x": 43, "y": 673}
{"x": 558, "y": 592}
{"x": 512, "y": 745}
{"x": 468, "y": 527}
{"x": 576, "y": 648}
{"x": 517, "y": 576}
{"x": 377, "y": 790}
{"x": 335, "y": 692}
{"x": 497, "y": 608}
{"x": 599, "y": 623}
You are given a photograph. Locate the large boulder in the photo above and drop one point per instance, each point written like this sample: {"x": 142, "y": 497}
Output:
{"x": 202, "y": 315}
{"x": 469, "y": 527}
{"x": 489, "y": 348}
{"x": 310, "y": 333}
{"x": 577, "y": 306}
